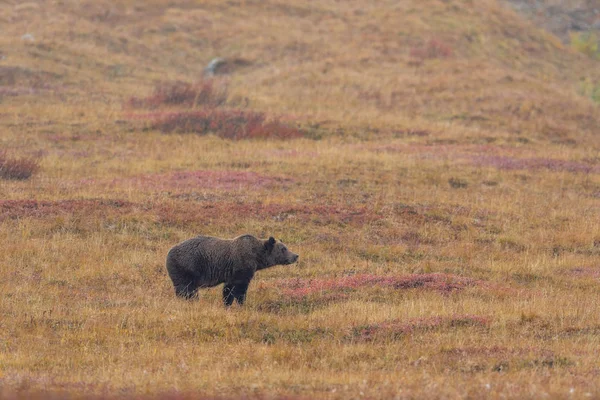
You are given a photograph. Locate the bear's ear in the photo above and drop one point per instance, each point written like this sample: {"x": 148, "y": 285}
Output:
{"x": 270, "y": 243}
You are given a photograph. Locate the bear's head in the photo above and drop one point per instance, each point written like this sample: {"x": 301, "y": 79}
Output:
{"x": 277, "y": 253}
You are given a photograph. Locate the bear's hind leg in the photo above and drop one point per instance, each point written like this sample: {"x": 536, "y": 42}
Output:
{"x": 185, "y": 286}
{"x": 188, "y": 292}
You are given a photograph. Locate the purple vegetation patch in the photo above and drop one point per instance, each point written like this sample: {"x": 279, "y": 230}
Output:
{"x": 585, "y": 272}
{"x": 443, "y": 283}
{"x": 190, "y": 213}
{"x": 510, "y": 164}
{"x": 287, "y": 153}
{"x": 204, "y": 179}
{"x": 13, "y": 209}
{"x": 18, "y": 91}
{"x": 395, "y": 328}
{"x": 444, "y": 151}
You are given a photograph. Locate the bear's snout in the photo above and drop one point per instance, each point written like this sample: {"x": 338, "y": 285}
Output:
{"x": 290, "y": 258}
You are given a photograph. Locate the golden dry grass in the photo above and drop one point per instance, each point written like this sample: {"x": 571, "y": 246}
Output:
{"x": 444, "y": 202}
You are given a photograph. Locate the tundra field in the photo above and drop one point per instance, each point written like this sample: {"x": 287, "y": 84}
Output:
{"x": 435, "y": 164}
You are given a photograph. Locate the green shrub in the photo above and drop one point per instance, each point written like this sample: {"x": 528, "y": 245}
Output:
{"x": 591, "y": 89}
{"x": 586, "y": 43}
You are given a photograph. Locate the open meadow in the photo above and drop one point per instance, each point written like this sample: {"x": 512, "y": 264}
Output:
{"x": 435, "y": 164}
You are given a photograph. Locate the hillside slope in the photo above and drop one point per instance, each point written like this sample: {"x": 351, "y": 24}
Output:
{"x": 447, "y": 62}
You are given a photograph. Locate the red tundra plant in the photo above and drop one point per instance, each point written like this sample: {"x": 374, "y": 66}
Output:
{"x": 434, "y": 48}
{"x": 17, "y": 169}
{"x": 228, "y": 124}
{"x": 395, "y": 328}
{"x": 204, "y": 93}
{"x": 509, "y": 163}
{"x": 443, "y": 283}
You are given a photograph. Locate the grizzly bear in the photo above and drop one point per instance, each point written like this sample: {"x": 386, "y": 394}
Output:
{"x": 206, "y": 261}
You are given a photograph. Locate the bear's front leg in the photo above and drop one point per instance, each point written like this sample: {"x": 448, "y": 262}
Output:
{"x": 237, "y": 287}
{"x": 185, "y": 285}
{"x": 228, "y": 295}
{"x": 235, "y": 292}
{"x": 239, "y": 292}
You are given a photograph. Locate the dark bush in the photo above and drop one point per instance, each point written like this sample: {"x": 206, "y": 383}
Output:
{"x": 229, "y": 124}
{"x": 17, "y": 169}
{"x": 204, "y": 93}
{"x": 435, "y": 48}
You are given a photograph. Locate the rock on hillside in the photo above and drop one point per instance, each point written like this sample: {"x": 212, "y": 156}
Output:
{"x": 559, "y": 16}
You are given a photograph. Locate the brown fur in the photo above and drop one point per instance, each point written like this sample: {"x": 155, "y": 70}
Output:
{"x": 206, "y": 261}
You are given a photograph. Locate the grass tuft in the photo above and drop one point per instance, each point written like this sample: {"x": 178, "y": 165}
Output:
{"x": 17, "y": 169}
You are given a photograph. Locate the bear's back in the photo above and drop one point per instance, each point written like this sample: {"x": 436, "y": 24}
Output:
{"x": 200, "y": 247}
{"x": 209, "y": 249}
